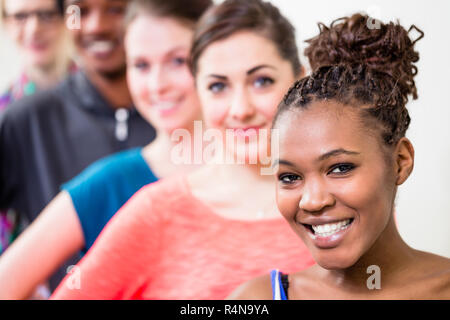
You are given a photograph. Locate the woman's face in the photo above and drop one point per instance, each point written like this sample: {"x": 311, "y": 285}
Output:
{"x": 37, "y": 29}
{"x": 334, "y": 184}
{"x": 240, "y": 81}
{"x": 159, "y": 79}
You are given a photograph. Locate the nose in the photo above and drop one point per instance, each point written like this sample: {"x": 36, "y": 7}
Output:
{"x": 315, "y": 197}
{"x": 32, "y": 25}
{"x": 241, "y": 106}
{"x": 95, "y": 22}
{"x": 157, "y": 81}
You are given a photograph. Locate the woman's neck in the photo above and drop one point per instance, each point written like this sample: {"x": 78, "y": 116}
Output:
{"x": 160, "y": 154}
{"x": 389, "y": 254}
{"x": 235, "y": 191}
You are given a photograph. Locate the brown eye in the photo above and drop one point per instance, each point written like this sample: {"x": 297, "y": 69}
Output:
{"x": 342, "y": 168}
{"x": 116, "y": 10}
{"x": 288, "y": 178}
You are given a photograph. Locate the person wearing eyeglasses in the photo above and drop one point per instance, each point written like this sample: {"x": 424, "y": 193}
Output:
{"x": 48, "y": 138}
{"x": 37, "y": 29}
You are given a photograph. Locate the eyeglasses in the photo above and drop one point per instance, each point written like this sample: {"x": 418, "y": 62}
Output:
{"x": 43, "y": 16}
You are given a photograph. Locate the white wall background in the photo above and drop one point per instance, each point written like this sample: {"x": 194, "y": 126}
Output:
{"x": 423, "y": 202}
{"x": 9, "y": 61}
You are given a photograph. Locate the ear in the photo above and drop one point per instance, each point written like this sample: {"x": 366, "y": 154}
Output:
{"x": 404, "y": 160}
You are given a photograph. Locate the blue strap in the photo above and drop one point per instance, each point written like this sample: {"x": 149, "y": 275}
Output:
{"x": 273, "y": 279}
{"x": 283, "y": 293}
{"x": 277, "y": 287}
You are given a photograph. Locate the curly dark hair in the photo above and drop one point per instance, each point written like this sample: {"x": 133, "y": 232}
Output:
{"x": 372, "y": 69}
{"x": 387, "y": 47}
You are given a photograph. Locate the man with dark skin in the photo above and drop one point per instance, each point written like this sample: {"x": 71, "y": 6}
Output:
{"x": 99, "y": 44}
{"x": 50, "y": 137}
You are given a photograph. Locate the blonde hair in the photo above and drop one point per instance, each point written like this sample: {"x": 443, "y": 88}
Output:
{"x": 2, "y": 11}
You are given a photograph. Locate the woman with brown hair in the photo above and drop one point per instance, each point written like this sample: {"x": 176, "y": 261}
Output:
{"x": 163, "y": 91}
{"x": 197, "y": 236}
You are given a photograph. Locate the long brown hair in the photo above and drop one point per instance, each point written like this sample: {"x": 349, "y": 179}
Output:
{"x": 231, "y": 16}
{"x": 188, "y": 11}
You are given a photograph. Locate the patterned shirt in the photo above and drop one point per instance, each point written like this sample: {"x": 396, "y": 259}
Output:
{"x": 10, "y": 225}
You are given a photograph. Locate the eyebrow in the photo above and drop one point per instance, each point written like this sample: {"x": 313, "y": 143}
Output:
{"x": 329, "y": 154}
{"x": 254, "y": 69}
{"x": 217, "y": 76}
{"x": 167, "y": 54}
{"x": 281, "y": 161}
{"x": 336, "y": 152}
{"x": 177, "y": 48}
{"x": 249, "y": 72}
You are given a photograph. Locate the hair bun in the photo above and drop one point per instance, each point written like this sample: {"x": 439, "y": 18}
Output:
{"x": 385, "y": 48}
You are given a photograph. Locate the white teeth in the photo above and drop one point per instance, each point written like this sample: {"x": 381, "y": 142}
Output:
{"x": 165, "y": 105}
{"x": 325, "y": 230}
{"x": 101, "y": 46}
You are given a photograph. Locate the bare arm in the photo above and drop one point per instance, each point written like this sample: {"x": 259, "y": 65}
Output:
{"x": 49, "y": 241}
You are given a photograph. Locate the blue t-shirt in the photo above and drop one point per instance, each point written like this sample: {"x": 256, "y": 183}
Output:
{"x": 104, "y": 187}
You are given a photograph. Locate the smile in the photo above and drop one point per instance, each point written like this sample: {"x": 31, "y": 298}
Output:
{"x": 325, "y": 230}
{"x": 328, "y": 235}
{"x": 100, "y": 47}
{"x": 167, "y": 108}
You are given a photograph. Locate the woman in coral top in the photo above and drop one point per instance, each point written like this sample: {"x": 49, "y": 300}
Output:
{"x": 198, "y": 236}
{"x": 163, "y": 91}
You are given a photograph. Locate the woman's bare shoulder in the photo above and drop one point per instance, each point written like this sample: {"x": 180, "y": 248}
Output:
{"x": 435, "y": 275}
{"x": 259, "y": 288}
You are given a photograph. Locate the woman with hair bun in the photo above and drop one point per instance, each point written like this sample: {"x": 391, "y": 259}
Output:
{"x": 387, "y": 48}
{"x": 343, "y": 154}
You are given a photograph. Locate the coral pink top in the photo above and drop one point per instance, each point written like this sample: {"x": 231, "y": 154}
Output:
{"x": 166, "y": 244}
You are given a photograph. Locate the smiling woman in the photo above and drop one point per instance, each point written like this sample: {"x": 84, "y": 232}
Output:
{"x": 198, "y": 235}
{"x": 158, "y": 76}
{"x": 343, "y": 154}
